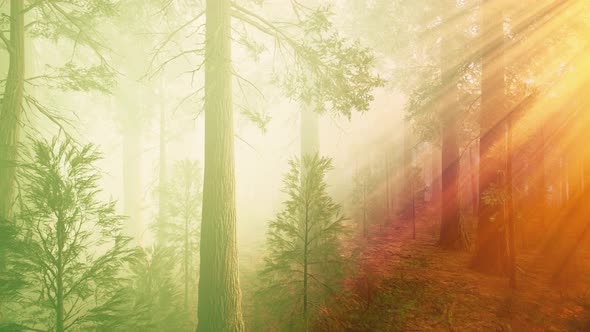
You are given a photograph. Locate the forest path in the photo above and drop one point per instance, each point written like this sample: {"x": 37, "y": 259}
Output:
{"x": 402, "y": 284}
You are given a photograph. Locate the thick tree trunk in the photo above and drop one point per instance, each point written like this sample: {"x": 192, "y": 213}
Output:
{"x": 451, "y": 232}
{"x": 11, "y": 110}
{"x": 219, "y": 307}
{"x": 452, "y": 235}
{"x": 491, "y": 254}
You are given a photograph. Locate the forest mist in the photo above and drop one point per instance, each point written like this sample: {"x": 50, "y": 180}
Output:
{"x": 294, "y": 165}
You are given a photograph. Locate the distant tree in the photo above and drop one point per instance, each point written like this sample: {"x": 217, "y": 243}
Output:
{"x": 182, "y": 228}
{"x": 73, "y": 21}
{"x": 326, "y": 71}
{"x": 491, "y": 254}
{"x": 72, "y": 248}
{"x": 149, "y": 300}
{"x": 452, "y": 233}
{"x": 303, "y": 261}
{"x": 364, "y": 183}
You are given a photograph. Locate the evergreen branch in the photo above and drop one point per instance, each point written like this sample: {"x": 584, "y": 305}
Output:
{"x": 172, "y": 34}
{"x": 7, "y": 43}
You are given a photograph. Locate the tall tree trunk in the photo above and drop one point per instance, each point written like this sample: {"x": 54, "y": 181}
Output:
{"x": 473, "y": 179}
{"x": 11, "y": 109}
{"x": 407, "y": 196}
{"x": 510, "y": 207}
{"x": 186, "y": 260}
{"x": 491, "y": 255}
{"x": 436, "y": 179}
{"x": 163, "y": 186}
{"x": 131, "y": 178}
{"x": 305, "y": 263}
{"x": 451, "y": 230}
{"x": 220, "y": 307}
{"x": 542, "y": 186}
{"x": 563, "y": 181}
{"x": 365, "y": 219}
{"x": 387, "y": 182}
{"x": 59, "y": 277}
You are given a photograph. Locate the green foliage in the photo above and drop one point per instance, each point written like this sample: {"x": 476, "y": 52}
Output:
{"x": 76, "y": 78}
{"x": 304, "y": 237}
{"x": 331, "y": 72}
{"x": 181, "y": 229}
{"x": 183, "y": 209}
{"x": 11, "y": 279}
{"x": 393, "y": 304}
{"x": 70, "y": 248}
{"x": 149, "y": 300}
{"x": 495, "y": 196}
{"x": 70, "y": 19}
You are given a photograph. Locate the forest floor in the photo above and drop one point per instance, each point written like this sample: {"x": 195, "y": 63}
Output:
{"x": 406, "y": 284}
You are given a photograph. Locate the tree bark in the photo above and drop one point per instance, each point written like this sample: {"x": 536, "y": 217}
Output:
{"x": 452, "y": 235}
{"x": 131, "y": 177}
{"x": 436, "y": 179}
{"x": 510, "y": 208}
{"x": 407, "y": 194}
{"x": 186, "y": 260}
{"x": 220, "y": 306}
{"x": 11, "y": 109}
{"x": 163, "y": 186}
{"x": 59, "y": 278}
{"x": 305, "y": 264}
{"x": 491, "y": 255}
{"x": 387, "y": 186}
{"x": 473, "y": 179}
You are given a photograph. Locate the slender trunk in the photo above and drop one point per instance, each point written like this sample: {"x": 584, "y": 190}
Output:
{"x": 491, "y": 255}
{"x": 436, "y": 180}
{"x": 542, "y": 183}
{"x": 163, "y": 179}
{"x": 365, "y": 223}
{"x": 59, "y": 277}
{"x": 220, "y": 307}
{"x": 387, "y": 193}
{"x": 563, "y": 181}
{"x": 510, "y": 208}
{"x": 186, "y": 261}
{"x": 413, "y": 193}
{"x": 473, "y": 180}
{"x": 131, "y": 178}
{"x": 11, "y": 109}
{"x": 305, "y": 265}
{"x": 407, "y": 200}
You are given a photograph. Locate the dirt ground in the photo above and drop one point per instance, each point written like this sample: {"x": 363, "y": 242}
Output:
{"x": 405, "y": 284}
